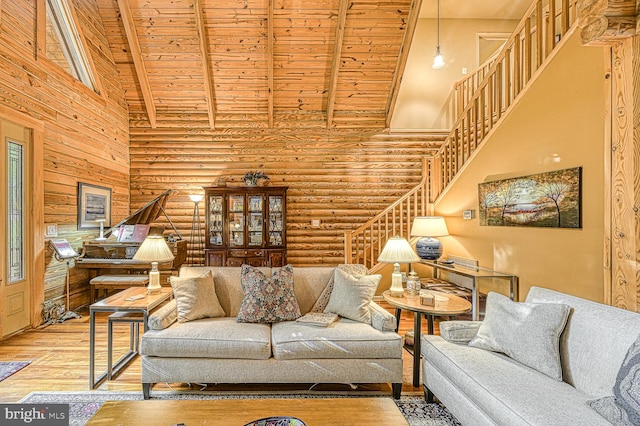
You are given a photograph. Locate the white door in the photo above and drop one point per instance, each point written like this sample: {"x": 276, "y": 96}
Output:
{"x": 15, "y": 256}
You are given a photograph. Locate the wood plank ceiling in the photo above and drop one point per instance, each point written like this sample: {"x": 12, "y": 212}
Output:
{"x": 260, "y": 63}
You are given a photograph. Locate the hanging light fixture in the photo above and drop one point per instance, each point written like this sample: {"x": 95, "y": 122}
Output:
{"x": 438, "y": 60}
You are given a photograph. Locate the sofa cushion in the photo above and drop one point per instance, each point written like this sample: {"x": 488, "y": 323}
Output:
{"x": 594, "y": 342}
{"x": 209, "y": 338}
{"x": 527, "y": 332}
{"x": 196, "y": 297}
{"x": 507, "y": 391}
{"x": 351, "y": 295}
{"x": 342, "y": 339}
{"x": 623, "y": 408}
{"x": 352, "y": 268}
{"x": 268, "y": 299}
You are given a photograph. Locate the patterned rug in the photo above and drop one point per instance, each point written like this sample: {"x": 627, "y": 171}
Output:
{"x": 7, "y": 368}
{"x": 82, "y": 405}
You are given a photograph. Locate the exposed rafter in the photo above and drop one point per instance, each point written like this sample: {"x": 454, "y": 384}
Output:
{"x": 270, "y": 62}
{"x": 412, "y": 23}
{"x": 138, "y": 62}
{"x": 606, "y": 21}
{"x": 335, "y": 60}
{"x": 206, "y": 70}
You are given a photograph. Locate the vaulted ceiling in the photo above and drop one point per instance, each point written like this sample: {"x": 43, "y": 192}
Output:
{"x": 260, "y": 63}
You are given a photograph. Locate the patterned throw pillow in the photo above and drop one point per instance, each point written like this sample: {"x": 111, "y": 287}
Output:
{"x": 354, "y": 269}
{"x": 268, "y": 300}
{"x": 623, "y": 408}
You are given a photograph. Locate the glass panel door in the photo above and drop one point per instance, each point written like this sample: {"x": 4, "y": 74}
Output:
{"x": 236, "y": 220}
{"x": 255, "y": 220}
{"x": 276, "y": 222}
{"x": 215, "y": 220}
{"x": 16, "y": 212}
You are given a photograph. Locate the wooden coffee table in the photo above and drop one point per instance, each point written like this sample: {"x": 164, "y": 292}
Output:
{"x": 238, "y": 412}
{"x": 445, "y": 304}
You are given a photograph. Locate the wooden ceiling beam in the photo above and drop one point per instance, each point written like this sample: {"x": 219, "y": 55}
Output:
{"x": 607, "y": 21}
{"x": 401, "y": 64}
{"x": 270, "y": 53}
{"x": 206, "y": 69}
{"x": 335, "y": 60}
{"x": 138, "y": 62}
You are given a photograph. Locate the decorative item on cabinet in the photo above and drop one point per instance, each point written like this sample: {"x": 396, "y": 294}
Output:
{"x": 245, "y": 225}
{"x": 254, "y": 178}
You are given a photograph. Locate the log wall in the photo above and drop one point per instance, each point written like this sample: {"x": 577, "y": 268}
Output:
{"x": 342, "y": 178}
{"x": 86, "y": 135}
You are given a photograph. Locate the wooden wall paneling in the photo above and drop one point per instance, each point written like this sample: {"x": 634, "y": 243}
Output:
{"x": 84, "y": 137}
{"x": 341, "y": 178}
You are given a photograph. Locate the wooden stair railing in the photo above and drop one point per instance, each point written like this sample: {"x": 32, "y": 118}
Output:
{"x": 364, "y": 244}
{"x": 495, "y": 89}
{"x": 485, "y": 96}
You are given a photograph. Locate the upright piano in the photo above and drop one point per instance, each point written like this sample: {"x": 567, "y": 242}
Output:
{"x": 111, "y": 257}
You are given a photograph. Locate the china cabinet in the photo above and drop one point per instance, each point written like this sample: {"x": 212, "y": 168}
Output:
{"x": 245, "y": 225}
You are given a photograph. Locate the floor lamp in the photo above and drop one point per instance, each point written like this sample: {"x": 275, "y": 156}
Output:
{"x": 196, "y": 244}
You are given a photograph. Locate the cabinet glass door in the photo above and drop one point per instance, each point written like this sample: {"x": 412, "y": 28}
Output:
{"x": 215, "y": 220}
{"x": 276, "y": 221}
{"x": 255, "y": 224}
{"x": 236, "y": 220}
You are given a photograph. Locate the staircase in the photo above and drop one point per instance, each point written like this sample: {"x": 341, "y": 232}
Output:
{"x": 484, "y": 97}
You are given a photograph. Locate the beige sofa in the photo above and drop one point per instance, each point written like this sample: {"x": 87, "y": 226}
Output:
{"x": 222, "y": 350}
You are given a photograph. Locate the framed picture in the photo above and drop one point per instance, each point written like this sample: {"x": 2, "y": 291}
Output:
{"x": 550, "y": 199}
{"x": 94, "y": 203}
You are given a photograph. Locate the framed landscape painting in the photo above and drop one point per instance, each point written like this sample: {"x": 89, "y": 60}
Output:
{"x": 550, "y": 199}
{"x": 94, "y": 203}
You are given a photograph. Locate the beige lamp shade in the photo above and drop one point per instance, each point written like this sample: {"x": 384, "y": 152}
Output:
{"x": 429, "y": 226}
{"x": 154, "y": 249}
{"x": 398, "y": 250}
{"x": 196, "y": 198}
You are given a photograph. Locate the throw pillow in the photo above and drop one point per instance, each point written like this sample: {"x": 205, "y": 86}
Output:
{"x": 526, "y": 332}
{"x": 267, "y": 300}
{"x": 196, "y": 297}
{"x": 352, "y": 268}
{"x": 623, "y": 408}
{"x": 351, "y": 295}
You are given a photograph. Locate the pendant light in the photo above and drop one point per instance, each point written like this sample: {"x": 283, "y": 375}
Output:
{"x": 438, "y": 60}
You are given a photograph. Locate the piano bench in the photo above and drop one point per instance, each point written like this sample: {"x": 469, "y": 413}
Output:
{"x": 115, "y": 282}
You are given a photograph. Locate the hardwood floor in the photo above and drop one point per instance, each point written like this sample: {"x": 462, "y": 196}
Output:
{"x": 59, "y": 356}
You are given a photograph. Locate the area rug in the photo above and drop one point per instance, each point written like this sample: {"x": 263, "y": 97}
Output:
{"x": 82, "y": 405}
{"x": 7, "y": 368}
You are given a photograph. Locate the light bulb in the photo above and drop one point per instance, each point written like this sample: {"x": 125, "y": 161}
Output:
{"x": 438, "y": 60}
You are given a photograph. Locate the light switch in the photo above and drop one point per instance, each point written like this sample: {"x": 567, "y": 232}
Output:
{"x": 315, "y": 222}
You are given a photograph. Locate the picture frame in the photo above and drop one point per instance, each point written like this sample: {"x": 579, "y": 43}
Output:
{"x": 94, "y": 203}
{"x": 550, "y": 199}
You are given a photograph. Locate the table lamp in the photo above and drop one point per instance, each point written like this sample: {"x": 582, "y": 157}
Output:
{"x": 429, "y": 227}
{"x": 397, "y": 251}
{"x": 154, "y": 249}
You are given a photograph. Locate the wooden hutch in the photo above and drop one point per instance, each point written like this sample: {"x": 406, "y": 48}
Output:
{"x": 245, "y": 225}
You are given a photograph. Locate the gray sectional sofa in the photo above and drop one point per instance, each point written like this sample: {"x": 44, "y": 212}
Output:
{"x": 222, "y": 350}
{"x": 482, "y": 387}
